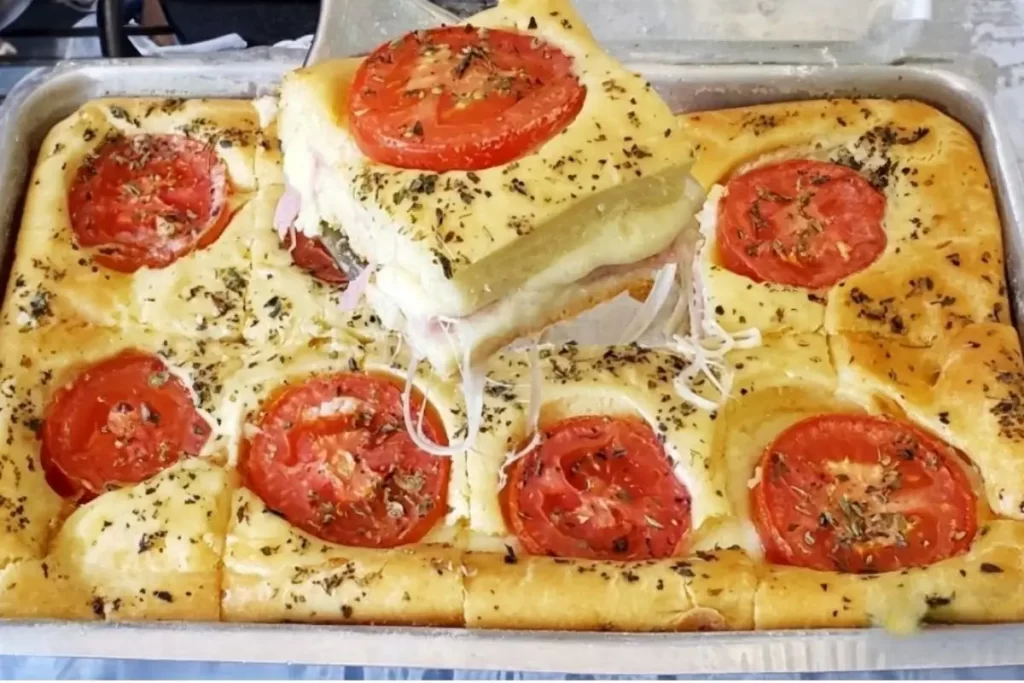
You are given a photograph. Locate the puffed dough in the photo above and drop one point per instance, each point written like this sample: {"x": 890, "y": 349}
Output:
{"x": 150, "y": 551}
{"x": 967, "y": 389}
{"x": 201, "y": 294}
{"x": 985, "y": 585}
{"x": 775, "y": 385}
{"x": 942, "y": 266}
{"x": 35, "y": 364}
{"x": 713, "y": 591}
{"x": 274, "y": 572}
{"x": 286, "y": 305}
{"x": 580, "y": 380}
{"x": 267, "y": 371}
{"x": 611, "y": 188}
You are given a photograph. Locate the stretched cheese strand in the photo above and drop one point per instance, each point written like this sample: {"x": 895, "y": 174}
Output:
{"x": 354, "y": 292}
{"x": 655, "y": 301}
{"x": 473, "y": 381}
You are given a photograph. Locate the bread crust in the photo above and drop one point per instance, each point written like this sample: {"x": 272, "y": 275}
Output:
{"x": 713, "y": 591}
{"x": 982, "y": 586}
{"x": 942, "y": 267}
{"x": 274, "y": 572}
{"x": 966, "y": 389}
{"x": 35, "y": 364}
{"x": 584, "y": 199}
{"x": 199, "y": 295}
{"x": 146, "y": 552}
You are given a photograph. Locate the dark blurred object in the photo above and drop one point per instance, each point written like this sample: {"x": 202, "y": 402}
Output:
{"x": 265, "y": 22}
{"x": 259, "y": 22}
{"x": 11, "y": 10}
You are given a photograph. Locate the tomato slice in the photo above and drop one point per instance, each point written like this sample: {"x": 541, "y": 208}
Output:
{"x": 461, "y": 98}
{"x": 802, "y": 223}
{"x": 119, "y": 422}
{"x": 147, "y": 200}
{"x": 332, "y": 455}
{"x": 310, "y": 254}
{"x": 858, "y": 493}
{"x": 598, "y": 488}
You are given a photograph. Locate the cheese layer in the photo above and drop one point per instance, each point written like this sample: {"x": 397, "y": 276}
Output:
{"x": 611, "y": 189}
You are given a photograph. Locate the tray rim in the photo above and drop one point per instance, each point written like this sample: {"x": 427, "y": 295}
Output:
{"x": 589, "y": 652}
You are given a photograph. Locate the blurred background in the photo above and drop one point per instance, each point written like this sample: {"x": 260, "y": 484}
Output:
{"x": 40, "y": 32}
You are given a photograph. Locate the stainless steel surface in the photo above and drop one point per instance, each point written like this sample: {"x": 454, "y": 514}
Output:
{"x": 46, "y": 97}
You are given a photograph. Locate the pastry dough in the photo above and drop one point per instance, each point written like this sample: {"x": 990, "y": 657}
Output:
{"x": 506, "y": 588}
{"x": 943, "y": 263}
{"x": 37, "y": 363}
{"x": 201, "y": 294}
{"x": 149, "y": 551}
{"x": 968, "y": 390}
{"x": 712, "y": 591}
{"x": 284, "y": 304}
{"x": 274, "y": 572}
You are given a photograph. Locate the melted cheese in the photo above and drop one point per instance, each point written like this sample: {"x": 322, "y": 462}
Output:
{"x": 611, "y": 189}
{"x": 591, "y": 381}
{"x": 738, "y": 303}
{"x": 37, "y": 363}
{"x": 201, "y": 294}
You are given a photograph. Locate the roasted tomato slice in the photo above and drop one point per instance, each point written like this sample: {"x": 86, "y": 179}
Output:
{"x": 332, "y": 455}
{"x": 802, "y": 223}
{"x": 147, "y": 200}
{"x": 461, "y": 98}
{"x": 119, "y": 422}
{"x": 598, "y": 488}
{"x": 858, "y": 493}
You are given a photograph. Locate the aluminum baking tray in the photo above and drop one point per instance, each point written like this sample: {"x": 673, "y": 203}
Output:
{"x": 44, "y": 98}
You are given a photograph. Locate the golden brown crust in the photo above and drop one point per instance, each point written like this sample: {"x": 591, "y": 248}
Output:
{"x": 201, "y": 294}
{"x": 35, "y": 364}
{"x": 985, "y": 585}
{"x": 943, "y": 263}
{"x": 968, "y": 389}
{"x": 150, "y": 551}
{"x": 273, "y": 572}
{"x": 710, "y": 592}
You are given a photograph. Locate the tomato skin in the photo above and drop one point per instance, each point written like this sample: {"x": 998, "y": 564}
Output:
{"x": 352, "y": 476}
{"x": 120, "y": 421}
{"x": 461, "y": 98}
{"x": 801, "y": 223}
{"x": 311, "y": 255}
{"x": 859, "y": 493}
{"x": 597, "y": 488}
{"x": 147, "y": 200}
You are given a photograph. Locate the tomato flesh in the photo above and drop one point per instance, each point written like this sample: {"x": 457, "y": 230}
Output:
{"x": 598, "y": 488}
{"x": 858, "y": 493}
{"x": 310, "y": 254}
{"x": 461, "y": 98}
{"x": 119, "y": 422}
{"x": 332, "y": 455}
{"x": 801, "y": 223}
{"x": 147, "y": 200}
